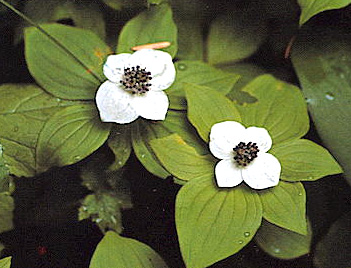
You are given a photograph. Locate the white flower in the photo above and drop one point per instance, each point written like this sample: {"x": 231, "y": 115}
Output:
{"x": 135, "y": 86}
{"x": 244, "y": 157}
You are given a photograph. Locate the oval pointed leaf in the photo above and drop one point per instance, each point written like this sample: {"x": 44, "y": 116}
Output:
{"x": 304, "y": 160}
{"x": 119, "y": 142}
{"x": 235, "y": 36}
{"x": 117, "y": 251}
{"x": 69, "y": 136}
{"x": 141, "y": 137}
{"x": 285, "y": 205}
{"x": 280, "y": 108}
{"x": 180, "y": 159}
{"x": 151, "y": 26}
{"x": 213, "y": 223}
{"x": 309, "y": 8}
{"x": 71, "y": 73}
{"x": 207, "y": 107}
{"x": 24, "y": 109}
{"x": 281, "y": 243}
{"x": 199, "y": 73}
{"x": 5, "y": 262}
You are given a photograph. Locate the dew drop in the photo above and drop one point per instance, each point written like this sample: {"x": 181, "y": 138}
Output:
{"x": 300, "y": 194}
{"x": 84, "y": 208}
{"x": 276, "y": 250}
{"x": 15, "y": 129}
{"x": 240, "y": 242}
{"x": 58, "y": 100}
{"x": 247, "y": 234}
{"x": 98, "y": 220}
{"x": 329, "y": 96}
{"x": 143, "y": 156}
{"x": 77, "y": 157}
{"x": 182, "y": 67}
{"x": 120, "y": 163}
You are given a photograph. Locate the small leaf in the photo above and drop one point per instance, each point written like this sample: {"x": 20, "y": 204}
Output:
{"x": 285, "y": 205}
{"x": 281, "y": 243}
{"x": 141, "y": 137}
{"x": 180, "y": 159}
{"x": 280, "y": 108}
{"x": 236, "y": 35}
{"x": 151, "y": 26}
{"x": 117, "y": 251}
{"x": 212, "y": 223}
{"x": 4, "y": 172}
{"x": 24, "y": 109}
{"x": 5, "y": 262}
{"x": 207, "y": 107}
{"x": 303, "y": 160}
{"x": 60, "y": 72}
{"x": 7, "y": 206}
{"x": 200, "y": 73}
{"x": 309, "y": 8}
{"x": 119, "y": 142}
{"x": 120, "y": 4}
{"x": 85, "y": 15}
{"x": 69, "y": 136}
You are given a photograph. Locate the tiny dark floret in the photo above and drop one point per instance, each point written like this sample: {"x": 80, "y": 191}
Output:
{"x": 136, "y": 80}
{"x": 245, "y": 153}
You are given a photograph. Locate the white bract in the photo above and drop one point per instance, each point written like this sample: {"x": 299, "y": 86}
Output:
{"x": 244, "y": 157}
{"x": 135, "y": 86}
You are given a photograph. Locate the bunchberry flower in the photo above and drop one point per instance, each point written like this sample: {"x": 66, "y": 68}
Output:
{"x": 135, "y": 86}
{"x": 244, "y": 157}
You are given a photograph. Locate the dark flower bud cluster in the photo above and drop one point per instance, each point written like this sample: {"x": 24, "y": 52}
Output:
{"x": 245, "y": 153}
{"x": 136, "y": 80}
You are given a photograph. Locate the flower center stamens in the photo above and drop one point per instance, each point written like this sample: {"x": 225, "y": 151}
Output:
{"x": 136, "y": 80}
{"x": 245, "y": 153}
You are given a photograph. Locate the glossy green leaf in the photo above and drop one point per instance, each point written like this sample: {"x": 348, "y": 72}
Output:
{"x": 324, "y": 72}
{"x": 334, "y": 247}
{"x": 214, "y": 223}
{"x": 7, "y": 205}
{"x": 119, "y": 142}
{"x": 22, "y": 117}
{"x": 141, "y": 137}
{"x": 69, "y": 75}
{"x": 304, "y": 160}
{"x": 177, "y": 122}
{"x": 180, "y": 159}
{"x": 4, "y": 171}
{"x": 281, "y": 243}
{"x": 199, "y": 73}
{"x": 117, "y": 251}
{"x": 309, "y": 8}
{"x": 5, "y": 262}
{"x": 285, "y": 206}
{"x": 69, "y": 136}
{"x": 85, "y": 15}
{"x": 236, "y": 35}
{"x": 207, "y": 107}
{"x": 280, "y": 108}
{"x": 151, "y": 26}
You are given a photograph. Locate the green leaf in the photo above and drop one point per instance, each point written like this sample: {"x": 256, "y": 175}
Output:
{"x": 119, "y": 142}
{"x": 4, "y": 171}
{"x": 285, "y": 205}
{"x": 207, "y": 107}
{"x": 281, "y": 243}
{"x": 280, "y": 108}
{"x": 117, "y": 251}
{"x": 324, "y": 73}
{"x": 334, "y": 248}
{"x": 151, "y": 26}
{"x": 199, "y": 73}
{"x": 69, "y": 136}
{"x": 180, "y": 159}
{"x": 303, "y": 160}
{"x": 57, "y": 70}
{"x": 5, "y": 262}
{"x": 309, "y": 8}
{"x": 7, "y": 206}
{"x": 141, "y": 137}
{"x": 213, "y": 223}
{"x": 24, "y": 109}
{"x": 120, "y": 4}
{"x": 236, "y": 35}
{"x": 85, "y": 15}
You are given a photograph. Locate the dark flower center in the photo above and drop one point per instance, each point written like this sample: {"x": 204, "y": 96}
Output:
{"x": 245, "y": 153}
{"x": 136, "y": 80}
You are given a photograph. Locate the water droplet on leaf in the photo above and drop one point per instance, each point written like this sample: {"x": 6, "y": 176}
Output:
{"x": 120, "y": 163}
{"x": 143, "y": 156}
{"x": 276, "y": 250}
{"x": 240, "y": 242}
{"x": 182, "y": 67}
{"x": 77, "y": 157}
{"x": 58, "y": 100}
{"x": 15, "y": 128}
{"x": 247, "y": 234}
{"x": 98, "y": 220}
{"x": 329, "y": 96}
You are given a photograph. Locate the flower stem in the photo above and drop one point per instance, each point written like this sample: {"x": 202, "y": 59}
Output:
{"x": 53, "y": 39}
